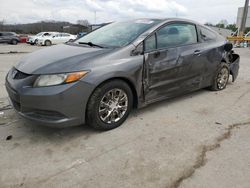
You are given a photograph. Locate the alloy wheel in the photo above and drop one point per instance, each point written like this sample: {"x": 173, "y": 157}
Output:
{"x": 222, "y": 78}
{"x": 113, "y": 106}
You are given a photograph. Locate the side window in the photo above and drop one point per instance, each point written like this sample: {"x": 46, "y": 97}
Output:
{"x": 150, "y": 43}
{"x": 207, "y": 35}
{"x": 65, "y": 35}
{"x": 176, "y": 34}
{"x": 6, "y": 34}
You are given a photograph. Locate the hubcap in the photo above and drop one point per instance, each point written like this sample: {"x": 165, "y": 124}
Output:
{"x": 222, "y": 78}
{"x": 113, "y": 106}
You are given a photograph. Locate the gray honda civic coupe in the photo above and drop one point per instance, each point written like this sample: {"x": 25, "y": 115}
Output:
{"x": 99, "y": 78}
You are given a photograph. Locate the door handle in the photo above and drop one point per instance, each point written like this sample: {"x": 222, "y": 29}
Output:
{"x": 197, "y": 52}
{"x": 157, "y": 54}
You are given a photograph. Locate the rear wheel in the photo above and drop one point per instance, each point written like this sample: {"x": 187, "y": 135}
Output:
{"x": 109, "y": 105}
{"x": 47, "y": 43}
{"x": 14, "y": 42}
{"x": 221, "y": 78}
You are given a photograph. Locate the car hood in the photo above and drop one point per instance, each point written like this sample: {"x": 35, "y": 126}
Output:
{"x": 60, "y": 58}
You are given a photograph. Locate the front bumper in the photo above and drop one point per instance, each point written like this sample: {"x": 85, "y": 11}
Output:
{"x": 30, "y": 41}
{"x": 40, "y": 42}
{"x": 234, "y": 66}
{"x": 55, "y": 106}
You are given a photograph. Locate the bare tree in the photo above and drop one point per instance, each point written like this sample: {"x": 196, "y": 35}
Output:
{"x": 83, "y": 22}
{"x": 1, "y": 24}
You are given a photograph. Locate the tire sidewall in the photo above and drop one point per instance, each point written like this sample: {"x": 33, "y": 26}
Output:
{"x": 222, "y": 65}
{"x": 93, "y": 109}
{"x": 14, "y": 42}
{"x": 47, "y": 43}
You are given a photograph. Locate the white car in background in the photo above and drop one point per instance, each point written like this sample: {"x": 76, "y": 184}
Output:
{"x": 34, "y": 39}
{"x": 58, "y": 38}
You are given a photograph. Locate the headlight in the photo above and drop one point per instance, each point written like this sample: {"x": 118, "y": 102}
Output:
{"x": 57, "y": 79}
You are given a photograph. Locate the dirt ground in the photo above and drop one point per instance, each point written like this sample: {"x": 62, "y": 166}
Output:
{"x": 198, "y": 140}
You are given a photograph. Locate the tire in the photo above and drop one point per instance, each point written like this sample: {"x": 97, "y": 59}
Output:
{"x": 14, "y": 42}
{"x": 221, "y": 77}
{"x": 35, "y": 42}
{"x": 105, "y": 112}
{"x": 47, "y": 43}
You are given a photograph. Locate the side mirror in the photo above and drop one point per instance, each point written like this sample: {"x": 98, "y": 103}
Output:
{"x": 228, "y": 47}
{"x": 138, "y": 50}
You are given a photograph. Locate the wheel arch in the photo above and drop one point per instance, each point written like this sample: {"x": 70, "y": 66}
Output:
{"x": 47, "y": 40}
{"x": 224, "y": 60}
{"x": 126, "y": 80}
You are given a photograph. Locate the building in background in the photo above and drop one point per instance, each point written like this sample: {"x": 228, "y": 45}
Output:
{"x": 239, "y": 17}
{"x": 75, "y": 28}
{"x": 96, "y": 26}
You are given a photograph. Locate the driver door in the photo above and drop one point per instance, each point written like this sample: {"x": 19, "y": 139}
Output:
{"x": 57, "y": 39}
{"x": 173, "y": 61}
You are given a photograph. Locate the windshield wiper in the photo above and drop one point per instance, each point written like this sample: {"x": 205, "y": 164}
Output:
{"x": 91, "y": 44}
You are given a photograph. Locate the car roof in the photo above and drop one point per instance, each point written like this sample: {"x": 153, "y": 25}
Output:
{"x": 7, "y": 32}
{"x": 49, "y": 32}
{"x": 171, "y": 19}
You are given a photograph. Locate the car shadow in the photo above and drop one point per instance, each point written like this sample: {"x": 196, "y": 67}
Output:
{"x": 37, "y": 133}
{"x": 154, "y": 106}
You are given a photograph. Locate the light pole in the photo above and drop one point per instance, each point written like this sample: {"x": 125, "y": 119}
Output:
{"x": 95, "y": 16}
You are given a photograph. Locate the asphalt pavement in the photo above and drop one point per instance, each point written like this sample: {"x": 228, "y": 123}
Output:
{"x": 197, "y": 140}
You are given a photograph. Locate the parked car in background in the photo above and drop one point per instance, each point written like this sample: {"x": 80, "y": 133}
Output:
{"x": 81, "y": 34}
{"x": 100, "y": 77}
{"x": 34, "y": 39}
{"x": 57, "y": 38}
{"x": 9, "y": 37}
{"x": 23, "y": 38}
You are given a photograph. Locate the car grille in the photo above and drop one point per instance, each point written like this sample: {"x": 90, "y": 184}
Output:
{"x": 19, "y": 75}
{"x": 45, "y": 114}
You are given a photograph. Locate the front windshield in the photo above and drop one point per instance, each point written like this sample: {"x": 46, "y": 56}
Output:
{"x": 118, "y": 34}
{"x": 39, "y": 34}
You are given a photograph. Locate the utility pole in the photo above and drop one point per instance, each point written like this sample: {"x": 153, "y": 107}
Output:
{"x": 95, "y": 16}
{"x": 243, "y": 19}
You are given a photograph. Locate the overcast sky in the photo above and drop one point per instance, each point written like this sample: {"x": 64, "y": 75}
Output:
{"x": 25, "y": 11}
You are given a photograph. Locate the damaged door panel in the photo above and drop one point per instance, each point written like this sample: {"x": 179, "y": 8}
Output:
{"x": 176, "y": 64}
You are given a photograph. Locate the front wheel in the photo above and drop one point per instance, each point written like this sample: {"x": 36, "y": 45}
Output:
{"x": 109, "y": 105}
{"x": 221, "y": 77}
{"x": 14, "y": 42}
{"x": 47, "y": 43}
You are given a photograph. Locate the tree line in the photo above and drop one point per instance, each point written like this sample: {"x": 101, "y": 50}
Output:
{"x": 224, "y": 24}
{"x": 51, "y": 25}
